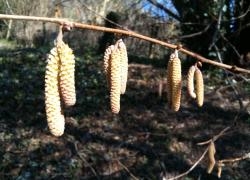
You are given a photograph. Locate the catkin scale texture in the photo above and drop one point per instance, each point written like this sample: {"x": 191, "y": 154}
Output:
{"x": 115, "y": 81}
{"x": 169, "y": 82}
{"x": 190, "y": 81}
{"x": 124, "y": 65}
{"x": 176, "y": 83}
{"x": 106, "y": 63}
{"x": 199, "y": 87}
{"x": 53, "y": 109}
{"x": 67, "y": 74}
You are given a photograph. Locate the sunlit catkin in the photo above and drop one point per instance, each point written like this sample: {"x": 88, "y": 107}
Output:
{"x": 199, "y": 87}
{"x": 190, "y": 81}
{"x": 66, "y": 73}
{"x": 53, "y": 109}
{"x": 115, "y": 81}
{"x": 124, "y": 64}
{"x": 211, "y": 158}
{"x": 176, "y": 83}
{"x": 106, "y": 63}
{"x": 169, "y": 82}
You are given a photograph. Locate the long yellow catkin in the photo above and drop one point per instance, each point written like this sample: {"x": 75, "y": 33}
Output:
{"x": 115, "y": 81}
{"x": 190, "y": 81}
{"x": 169, "y": 82}
{"x": 211, "y": 158}
{"x": 67, "y": 73}
{"x": 124, "y": 64}
{"x": 106, "y": 63}
{"x": 199, "y": 87}
{"x": 53, "y": 109}
{"x": 176, "y": 83}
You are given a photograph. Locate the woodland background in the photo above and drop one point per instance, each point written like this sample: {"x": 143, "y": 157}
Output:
{"x": 146, "y": 140}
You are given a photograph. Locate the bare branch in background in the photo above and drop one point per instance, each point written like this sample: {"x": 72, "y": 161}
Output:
{"x": 195, "y": 34}
{"x": 236, "y": 93}
{"x": 168, "y": 11}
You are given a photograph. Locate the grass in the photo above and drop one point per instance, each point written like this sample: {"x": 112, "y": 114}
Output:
{"x": 6, "y": 44}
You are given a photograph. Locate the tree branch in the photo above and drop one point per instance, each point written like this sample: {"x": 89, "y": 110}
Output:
{"x": 125, "y": 32}
{"x": 162, "y": 7}
{"x": 190, "y": 169}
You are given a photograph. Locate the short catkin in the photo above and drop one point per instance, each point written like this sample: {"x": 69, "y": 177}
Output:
{"x": 115, "y": 81}
{"x": 106, "y": 63}
{"x": 176, "y": 83}
{"x": 211, "y": 158}
{"x": 219, "y": 171}
{"x": 190, "y": 81}
{"x": 55, "y": 117}
{"x": 199, "y": 87}
{"x": 66, "y": 73}
{"x": 124, "y": 64}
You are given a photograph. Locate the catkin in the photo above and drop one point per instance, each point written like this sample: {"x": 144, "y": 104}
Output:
{"x": 176, "y": 83}
{"x": 67, "y": 73}
{"x": 124, "y": 64}
{"x": 199, "y": 87}
{"x": 190, "y": 81}
{"x": 219, "y": 171}
{"x": 53, "y": 109}
{"x": 211, "y": 158}
{"x": 169, "y": 82}
{"x": 115, "y": 81}
{"x": 106, "y": 63}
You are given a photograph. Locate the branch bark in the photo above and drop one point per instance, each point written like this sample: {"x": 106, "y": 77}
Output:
{"x": 60, "y": 21}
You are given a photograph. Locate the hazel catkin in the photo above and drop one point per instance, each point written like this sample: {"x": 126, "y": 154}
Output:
{"x": 66, "y": 73}
{"x": 169, "y": 82}
{"x": 106, "y": 63}
{"x": 190, "y": 81}
{"x": 53, "y": 109}
{"x": 219, "y": 170}
{"x": 176, "y": 83}
{"x": 199, "y": 87}
{"x": 124, "y": 64}
{"x": 115, "y": 81}
{"x": 211, "y": 158}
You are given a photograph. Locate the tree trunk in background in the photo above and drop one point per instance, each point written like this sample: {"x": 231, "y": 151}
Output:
{"x": 9, "y": 29}
{"x": 102, "y": 11}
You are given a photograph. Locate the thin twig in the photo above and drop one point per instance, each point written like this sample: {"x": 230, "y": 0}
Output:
{"x": 202, "y": 156}
{"x": 232, "y": 160}
{"x": 218, "y": 25}
{"x": 196, "y": 33}
{"x": 215, "y": 138}
{"x": 125, "y": 32}
{"x": 131, "y": 174}
{"x": 85, "y": 161}
{"x": 230, "y": 44}
{"x": 190, "y": 169}
{"x": 106, "y": 19}
{"x": 236, "y": 93}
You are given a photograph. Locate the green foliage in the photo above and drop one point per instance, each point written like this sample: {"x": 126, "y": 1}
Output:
{"x": 6, "y": 44}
